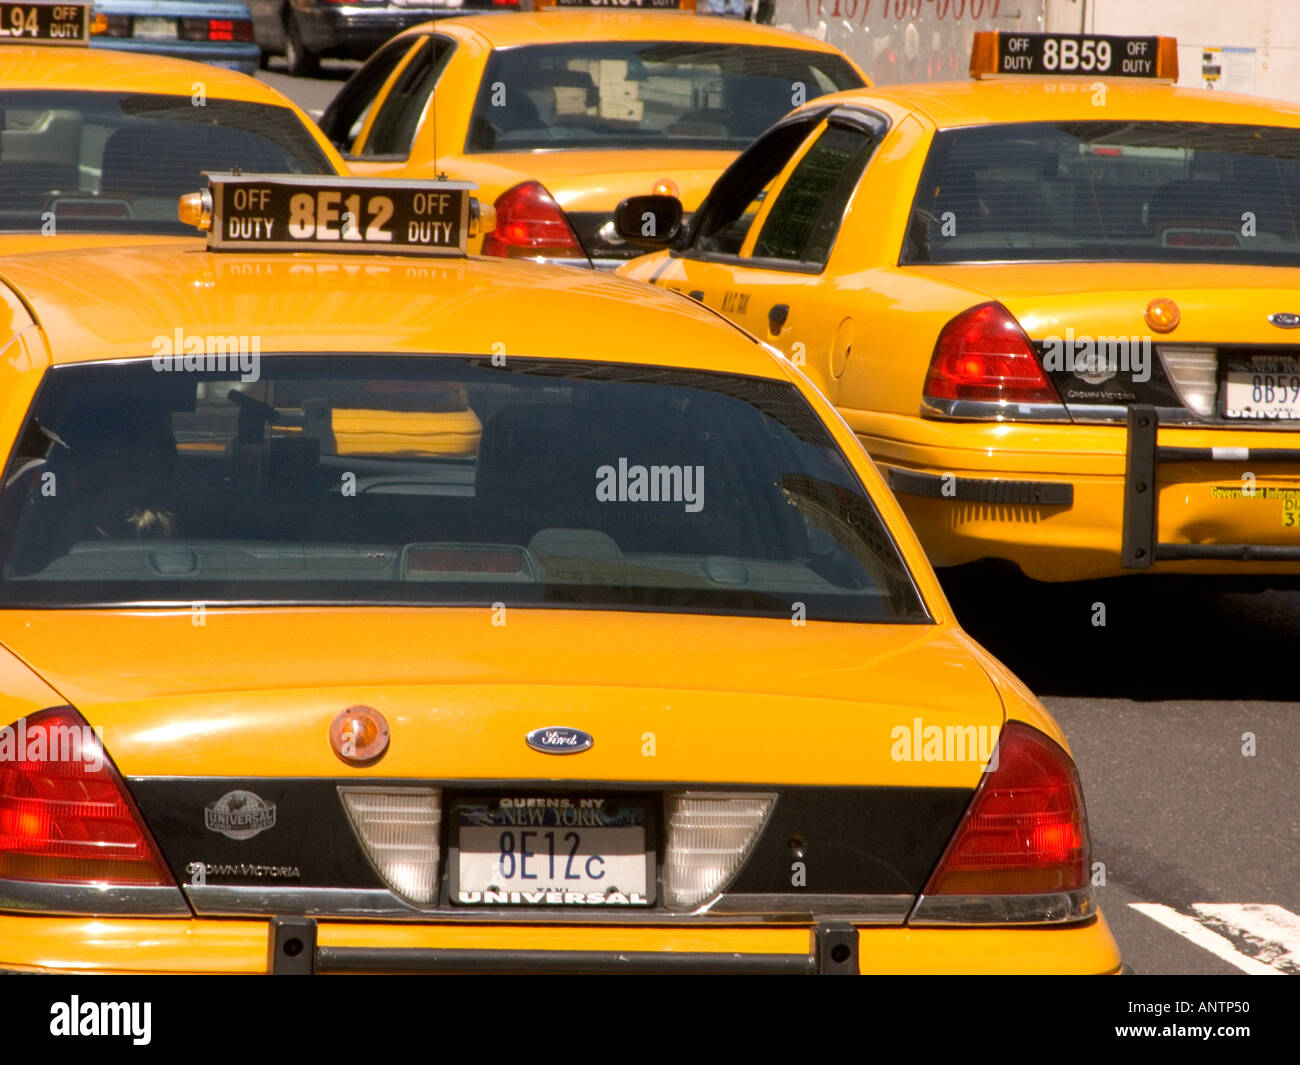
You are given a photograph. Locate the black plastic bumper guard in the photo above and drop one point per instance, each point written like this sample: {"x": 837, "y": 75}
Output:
{"x": 293, "y": 951}
{"x": 1141, "y": 507}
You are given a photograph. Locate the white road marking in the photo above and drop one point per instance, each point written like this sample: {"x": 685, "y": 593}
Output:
{"x": 1193, "y": 930}
{"x": 1273, "y": 930}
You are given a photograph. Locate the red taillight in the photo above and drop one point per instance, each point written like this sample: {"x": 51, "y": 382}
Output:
{"x": 216, "y": 29}
{"x": 531, "y": 223}
{"x": 65, "y": 814}
{"x": 984, "y": 355}
{"x": 1026, "y": 831}
{"x": 505, "y": 3}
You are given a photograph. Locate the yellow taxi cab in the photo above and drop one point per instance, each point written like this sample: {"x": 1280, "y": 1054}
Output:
{"x": 559, "y": 113}
{"x": 96, "y": 146}
{"x": 1057, "y": 302}
{"x": 278, "y": 698}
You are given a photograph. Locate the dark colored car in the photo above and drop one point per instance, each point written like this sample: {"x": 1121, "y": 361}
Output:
{"x": 304, "y": 31}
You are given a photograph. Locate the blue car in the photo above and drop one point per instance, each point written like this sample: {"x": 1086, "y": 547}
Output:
{"x": 211, "y": 31}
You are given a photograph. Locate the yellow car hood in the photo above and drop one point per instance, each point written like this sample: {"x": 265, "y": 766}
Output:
{"x": 252, "y": 692}
{"x": 594, "y": 180}
{"x": 1217, "y": 303}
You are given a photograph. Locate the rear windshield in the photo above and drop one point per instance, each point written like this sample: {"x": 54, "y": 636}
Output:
{"x": 644, "y": 94}
{"x": 108, "y": 162}
{"x": 1137, "y": 191}
{"x": 439, "y": 480}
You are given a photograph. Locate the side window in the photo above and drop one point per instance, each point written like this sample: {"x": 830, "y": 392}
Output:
{"x": 723, "y": 220}
{"x": 346, "y": 114}
{"x": 806, "y": 216}
{"x": 399, "y": 115}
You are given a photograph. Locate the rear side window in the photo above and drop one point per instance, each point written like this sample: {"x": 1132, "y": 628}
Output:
{"x": 440, "y": 480}
{"x": 346, "y": 114}
{"x": 399, "y": 115}
{"x": 106, "y": 162}
{"x": 803, "y": 222}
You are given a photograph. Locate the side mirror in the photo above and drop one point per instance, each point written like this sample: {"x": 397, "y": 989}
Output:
{"x": 652, "y": 221}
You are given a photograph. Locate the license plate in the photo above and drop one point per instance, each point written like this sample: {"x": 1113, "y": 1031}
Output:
{"x": 155, "y": 29}
{"x": 548, "y": 851}
{"x": 1264, "y": 388}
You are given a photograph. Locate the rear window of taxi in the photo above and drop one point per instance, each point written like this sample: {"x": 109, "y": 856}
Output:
{"x": 439, "y": 480}
{"x": 110, "y": 162}
{"x": 1135, "y": 191}
{"x": 644, "y": 94}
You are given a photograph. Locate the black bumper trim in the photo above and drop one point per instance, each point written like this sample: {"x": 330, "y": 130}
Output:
{"x": 979, "y": 490}
{"x": 1143, "y": 455}
{"x": 293, "y": 950}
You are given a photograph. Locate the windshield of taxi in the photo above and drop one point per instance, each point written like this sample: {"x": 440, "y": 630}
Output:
{"x": 644, "y": 94}
{"x": 108, "y": 162}
{"x": 1096, "y": 191}
{"x": 438, "y": 480}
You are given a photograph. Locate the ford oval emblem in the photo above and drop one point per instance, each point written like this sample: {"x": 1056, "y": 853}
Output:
{"x": 558, "y": 739}
{"x": 1284, "y": 320}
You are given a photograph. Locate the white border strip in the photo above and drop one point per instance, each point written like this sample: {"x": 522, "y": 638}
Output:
{"x": 1192, "y": 929}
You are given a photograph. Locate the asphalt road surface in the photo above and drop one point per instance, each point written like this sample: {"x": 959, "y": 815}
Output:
{"x": 1182, "y": 707}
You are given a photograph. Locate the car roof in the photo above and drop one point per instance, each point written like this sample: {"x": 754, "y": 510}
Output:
{"x": 559, "y": 27}
{"x": 113, "y": 303}
{"x": 105, "y": 70}
{"x": 950, "y": 105}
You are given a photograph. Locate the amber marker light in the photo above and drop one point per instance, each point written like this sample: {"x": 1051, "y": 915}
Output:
{"x": 195, "y": 209}
{"x": 359, "y": 735}
{"x": 666, "y": 187}
{"x": 1162, "y": 315}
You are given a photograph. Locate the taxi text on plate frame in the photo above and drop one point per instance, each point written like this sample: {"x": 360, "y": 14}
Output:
{"x": 657, "y": 679}
{"x": 95, "y": 147}
{"x": 560, "y": 113}
{"x": 1056, "y": 303}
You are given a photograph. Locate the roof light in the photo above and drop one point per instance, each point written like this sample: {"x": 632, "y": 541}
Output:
{"x": 996, "y": 53}
{"x": 195, "y": 209}
{"x": 983, "y": 356}
{"x": 48, "y": 23}
{"x": 295, "y": 212}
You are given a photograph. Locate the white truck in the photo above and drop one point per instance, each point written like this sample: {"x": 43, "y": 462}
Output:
{"x": 1247, "y": 46}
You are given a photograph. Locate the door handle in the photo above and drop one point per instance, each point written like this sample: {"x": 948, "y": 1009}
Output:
{"x": 776, "y": 317}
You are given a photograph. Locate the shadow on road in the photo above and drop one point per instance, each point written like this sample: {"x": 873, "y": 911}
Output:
{"x": 1136, "y": 638}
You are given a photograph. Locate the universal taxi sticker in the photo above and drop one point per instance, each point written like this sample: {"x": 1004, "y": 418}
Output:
{"x": 273, "y": 212}
{"x": 239, "y": 815}
{"x": 44, "y": 23}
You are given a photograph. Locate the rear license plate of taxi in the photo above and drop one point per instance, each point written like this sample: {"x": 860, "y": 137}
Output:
{"x": 1261, "y": 388}
{"x": 584, "y": 851}
{"x": 154, "y": 29}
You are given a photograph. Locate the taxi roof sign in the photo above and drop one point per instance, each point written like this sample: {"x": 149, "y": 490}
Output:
{"x": 42, "y": 22}
{"x": 294, "y": 212}
{"x": 612, "y": 5}
{"x": 998, "y": 54}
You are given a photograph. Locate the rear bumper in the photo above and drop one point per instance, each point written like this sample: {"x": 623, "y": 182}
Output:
{"x": 147, "y": 945}
{"x": 357, "y": 32}
{"x": 1075, "y": 502}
